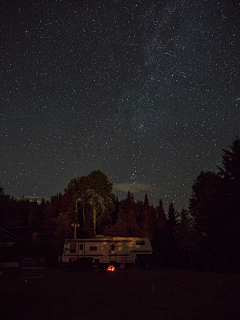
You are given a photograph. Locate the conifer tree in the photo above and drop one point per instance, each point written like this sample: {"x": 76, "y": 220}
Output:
{"x": 161, "y": 216}
{"x": 186, "y": 235}
{"x": 230, "y": 199}
{"x": 170, "y": 248}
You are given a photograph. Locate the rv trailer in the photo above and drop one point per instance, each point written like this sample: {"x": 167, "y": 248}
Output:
{"x": 105, "y": 250}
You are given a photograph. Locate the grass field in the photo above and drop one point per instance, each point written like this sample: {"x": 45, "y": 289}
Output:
{"x": 123, "y": 294}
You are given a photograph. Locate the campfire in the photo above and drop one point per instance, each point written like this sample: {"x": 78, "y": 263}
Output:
{"x": 111, "y": 268}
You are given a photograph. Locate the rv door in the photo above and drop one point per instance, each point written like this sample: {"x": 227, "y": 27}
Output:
{"x": 112, "y": 252}
{"x": 81, "y": 249}
{"x": 72, "y": 251}
{"x": 76, "y": 250}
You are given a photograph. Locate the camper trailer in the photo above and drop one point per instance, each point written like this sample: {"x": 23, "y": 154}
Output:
{"x": 105, "y": 250}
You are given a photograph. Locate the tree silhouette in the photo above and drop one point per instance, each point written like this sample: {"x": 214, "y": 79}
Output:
{"x": 187, "y": 235}
{"x": 215, "y": 205}
{"x": 204, "y": 203}
{"x": 230, "y": 198}
{"x": 170, "y": 248}
{"x": 94, "y": 192}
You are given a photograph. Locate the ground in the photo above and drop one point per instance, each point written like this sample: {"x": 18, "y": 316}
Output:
{"x": 125, "y": 294}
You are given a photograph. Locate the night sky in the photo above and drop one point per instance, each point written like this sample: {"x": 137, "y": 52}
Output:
{"x": 146, "y": 91}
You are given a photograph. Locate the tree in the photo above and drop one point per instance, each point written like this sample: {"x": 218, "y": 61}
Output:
{"x": 230, "y": 195}
{"x": 126, "y": 225}
{"x": 215, "y": 204}
{"x": 172, "y": 214}
{"x": 230, "y": 174}
{"x": 170, "y": 249}
{"x": 231, "y": 161}
{"x": 142, "y": 209}
{"x": 6, "y": 208}
{"x": 204, "y": 203}
{"x": 161, "y": 216}
{"x": 206, "y": 206}
{"x": 128, "y": 203}
{"x": 114, "y": 215}
{"x": 94, "y": 192}
{"x": 62, "y": 230}
{"x": 159, "y": 242}
{"x": 186, "y": 234}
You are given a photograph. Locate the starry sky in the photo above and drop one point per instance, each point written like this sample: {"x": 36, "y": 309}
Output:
{"x": 146, "y": 91}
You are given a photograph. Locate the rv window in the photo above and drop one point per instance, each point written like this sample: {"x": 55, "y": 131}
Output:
{"x": 112, "y": 247}
{"x": 140, "y": 242}
{"x": 72, "y": 247}
{"x": 93, "y": 248}
{"x": 81, "y": 246}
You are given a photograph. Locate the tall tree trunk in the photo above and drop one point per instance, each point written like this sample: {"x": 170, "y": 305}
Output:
{"x": 94, "y": 221}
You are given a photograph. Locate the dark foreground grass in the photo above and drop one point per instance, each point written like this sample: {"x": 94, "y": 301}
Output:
{"x": 123, "y": 294}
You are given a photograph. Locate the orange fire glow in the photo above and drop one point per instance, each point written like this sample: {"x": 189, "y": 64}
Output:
{"x": 111, "y": 268}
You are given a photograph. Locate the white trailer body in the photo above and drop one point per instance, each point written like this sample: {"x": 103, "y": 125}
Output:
{"x": 106, "y": 249}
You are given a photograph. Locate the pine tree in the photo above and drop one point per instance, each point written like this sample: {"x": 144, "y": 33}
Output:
{"x": 186, "y": 234}
{"x": 160, "y": 210}
{"x": 115, "y": 211}
{"x": 170, "y": 248}
{"x": 215, "y": 204}
{"x": 159, "y": 243}
{"x": 204, "y": 203}
{"x": 230, "y": 195}
{"x": 172, "y": 214}
{"x": 230, "y": 174}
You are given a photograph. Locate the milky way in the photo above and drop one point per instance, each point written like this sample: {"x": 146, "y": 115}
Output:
{"x": 145, "y": 91}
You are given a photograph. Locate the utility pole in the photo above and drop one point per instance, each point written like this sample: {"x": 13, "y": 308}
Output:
{"x": 94, "y": 221}
{"x": 83, "y": 217}
{"x": 75, "y": 224}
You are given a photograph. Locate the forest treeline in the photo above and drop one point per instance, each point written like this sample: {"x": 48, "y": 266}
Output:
{"x": 205, "y": 236}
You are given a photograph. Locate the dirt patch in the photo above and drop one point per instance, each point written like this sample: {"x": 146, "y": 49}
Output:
{"x": 123, "y": 294}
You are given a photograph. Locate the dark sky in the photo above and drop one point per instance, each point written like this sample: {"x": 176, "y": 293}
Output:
{"x": 146, "y": 91}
